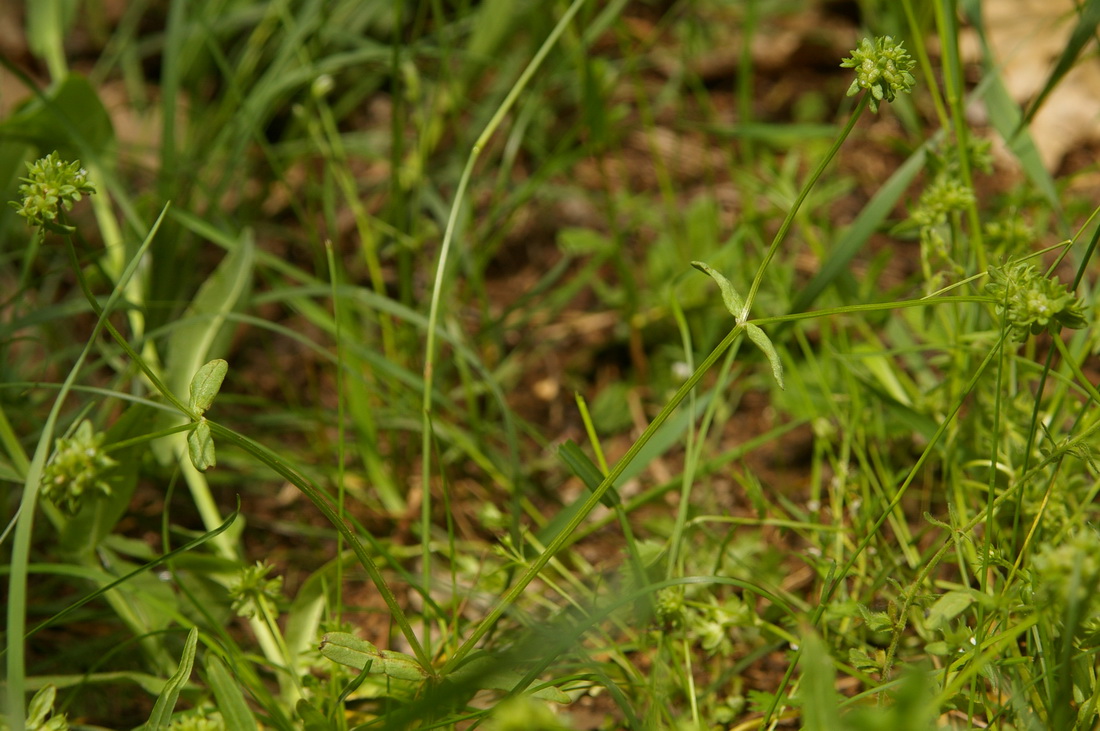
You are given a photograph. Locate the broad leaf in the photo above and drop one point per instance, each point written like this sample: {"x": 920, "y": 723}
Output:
{"x": 206, "y": 384}
{"x": 359, "y": 654}
{"x": 200, "y": 446}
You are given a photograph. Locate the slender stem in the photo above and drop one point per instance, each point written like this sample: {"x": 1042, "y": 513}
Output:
{"x": 318, "y": 498}
{"x": 785, "y": 227}
{"x": 593, "y": 500}
{"x": 437, "y": 288}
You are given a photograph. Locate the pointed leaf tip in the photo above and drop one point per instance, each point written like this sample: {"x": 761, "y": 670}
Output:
{"x": 733, "y": 301}
{"x": 763, "y": 342}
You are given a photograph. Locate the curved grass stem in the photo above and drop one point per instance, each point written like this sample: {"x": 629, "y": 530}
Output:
{"x": 440, "y": 279}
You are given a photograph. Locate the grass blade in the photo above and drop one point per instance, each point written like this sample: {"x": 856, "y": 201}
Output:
{"x": 166, "y": 702}
{"x": 231, "y": 702}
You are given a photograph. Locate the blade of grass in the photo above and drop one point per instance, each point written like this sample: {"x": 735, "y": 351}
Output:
{"x": 440, "y": 278}
{"x": 1083, "y": 34}
{"x": 166, "y": 702}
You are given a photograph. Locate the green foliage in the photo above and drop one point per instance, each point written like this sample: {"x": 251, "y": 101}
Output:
{"x": 40, "y": 713}
{"x": 525, "y": 714}
{"x": 919, "y": 491}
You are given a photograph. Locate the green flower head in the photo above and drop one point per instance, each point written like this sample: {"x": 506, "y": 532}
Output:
{"x": 76, "y": 470}
{"x": 252, "y": 592}
{"x": 882, "y": 67}
{"x": 1032, "y": 303}
{"x": 50, "y": 187}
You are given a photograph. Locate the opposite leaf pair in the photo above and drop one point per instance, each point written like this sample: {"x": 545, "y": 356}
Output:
{"x": 736, "y": 305}
{"x": 204, "y": 388}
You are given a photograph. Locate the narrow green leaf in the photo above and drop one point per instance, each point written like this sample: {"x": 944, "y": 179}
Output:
{"x": 312, "y": 719}
{"x": 356, "y": 653}
{"x": 581, "y": 466}
{"x": 206, "y": 384}
{"x": 487, "y": 672}
{"x": 819, "y": 698}
{"x": 166, "y": 702}
{"x": 733, "y": 301}
{"x": 48, "y": 23}
{"x": 41, "y": 706}
{"x": 1083, "y": 34}
{"x": 200, "y": 445}
{"x": 765, "y": 344}
{"x": 150, "y": 684}
{"x": 231, "y": 702}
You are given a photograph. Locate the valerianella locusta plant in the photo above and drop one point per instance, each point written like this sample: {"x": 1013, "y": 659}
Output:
{"x": 50, "y": 187}
{"x": 251, "y": 589}
{"x": 77, "y": 470}
{"x": 882, "y": 67}
{"x": 1032, "y": 303}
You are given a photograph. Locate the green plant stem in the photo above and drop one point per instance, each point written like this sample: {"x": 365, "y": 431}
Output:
{"x": 788, "y": 221}
{"x": 838, "y": 576}
{"x": 341, "y": 390}
{"x": 952, "y": 76}
{"x": 317, "y": 497}
{"x": 12, "y": 446}
{"x": 593, "y": 500}
{"x": 440, "y": 277}
{"x": 925, "y": 65}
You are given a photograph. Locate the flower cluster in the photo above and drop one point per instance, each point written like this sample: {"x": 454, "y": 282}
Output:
{"x": 198, "y": 720}
{"x": 50, "y": 186}
{"x": 1067, "y": 573}
{"x": 253, "y": 592}
{"x": 77, "y": 470}
{"x": 946, "y": 195}
{"x": 670, "y": 606}
{"x": 882, "y": 67}
{"x": 1031, "y": 302}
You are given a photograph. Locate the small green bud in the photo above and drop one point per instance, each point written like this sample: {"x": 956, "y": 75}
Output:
{"x": 670, "y": 605}
{"x": 76, "y": 470}
{"x": 40, "y": 715}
